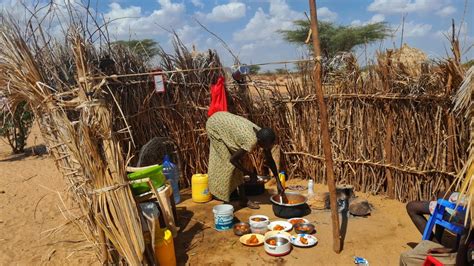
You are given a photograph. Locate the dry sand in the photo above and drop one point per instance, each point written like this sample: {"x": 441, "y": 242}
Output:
{"x": 32, "y": 228}
{"x": 380, "y": 238}
{"x": 30, "y": 208}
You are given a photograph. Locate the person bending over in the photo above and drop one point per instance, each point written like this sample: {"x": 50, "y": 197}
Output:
{"x": 231, "y": 138}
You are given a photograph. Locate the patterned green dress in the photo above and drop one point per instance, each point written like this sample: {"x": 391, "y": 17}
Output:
{"x": 227, "y": 133}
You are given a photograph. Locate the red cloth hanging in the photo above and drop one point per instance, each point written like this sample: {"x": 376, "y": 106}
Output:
{"x": 218, "y": 97}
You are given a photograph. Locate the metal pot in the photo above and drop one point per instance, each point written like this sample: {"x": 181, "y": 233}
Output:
{"x": 254, "y": 189}
{"x": 257, "y": 187}
{"x": 280, "y": 247}
{"x": 298, "y": 207}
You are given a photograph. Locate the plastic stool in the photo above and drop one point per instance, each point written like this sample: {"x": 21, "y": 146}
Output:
{"x": 437, "y": 218}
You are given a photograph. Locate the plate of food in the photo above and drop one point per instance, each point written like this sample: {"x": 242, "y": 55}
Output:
{"x": 303, "y": 240}
{"x": 295, "y": 221}
{"x": 280, "y": 226}
{"x": 304, "y": 228}
{"x": 252, "y": 240}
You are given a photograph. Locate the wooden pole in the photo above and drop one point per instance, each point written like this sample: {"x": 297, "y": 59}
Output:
{"x": 387, "y": 146}
{"x": 323, "y": 116}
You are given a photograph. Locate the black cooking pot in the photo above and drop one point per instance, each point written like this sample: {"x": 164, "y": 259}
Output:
{"x": 298, "y": 207}
{"x": 254, "y": 189}
{"x": 257, "y": 187}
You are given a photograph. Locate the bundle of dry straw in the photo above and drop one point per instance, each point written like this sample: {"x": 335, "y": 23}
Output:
{"x": 465, "y": 103}
{"x": 76, "y": 123}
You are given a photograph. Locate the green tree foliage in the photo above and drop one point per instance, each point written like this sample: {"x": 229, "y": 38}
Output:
{"x": 254, "y": 69}
{"x": 469, "y": 64}
{"x": 16, "y": 126}
{"x": 144, "y": 48}
{"x": 281, "y": 71}
{"x": 337, "y": 38}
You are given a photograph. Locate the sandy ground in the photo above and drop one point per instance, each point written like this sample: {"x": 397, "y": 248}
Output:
{"x": 380, "y": 238}
{"x": 32, "y": 229}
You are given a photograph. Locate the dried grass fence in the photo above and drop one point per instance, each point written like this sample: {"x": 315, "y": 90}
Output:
{"x": 391, "y": 131}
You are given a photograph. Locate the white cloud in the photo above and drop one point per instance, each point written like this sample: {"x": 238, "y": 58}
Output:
{"x": 327, "y": 15}
{"x": 131, "y": 21}
{"x": 377, "y": 18}
{"x": 404, "y": 6}
{"x": 265, "y": 26}
{"x": 374, "y": 19}
{"x": 227, "y": 12}
{"x": 413, "y": 29}
{"x": 189, "y": 35}
{"x": 356, "y": 22}
{"x": 446, "y": 11}
{"x": 463, "y": 34}
{"x": 197, "y": 3}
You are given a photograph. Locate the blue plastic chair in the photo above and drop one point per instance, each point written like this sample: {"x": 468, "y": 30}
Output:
{"x": 438, "y": 219}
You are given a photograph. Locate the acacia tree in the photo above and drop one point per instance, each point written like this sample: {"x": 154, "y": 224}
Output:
{"x": 146, "y": 48}
{"x": 337, "y": 38}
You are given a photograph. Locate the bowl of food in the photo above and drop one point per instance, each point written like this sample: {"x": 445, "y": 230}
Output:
{"x": 277, "y": 245}
{"x": 295, "y": 207}
{"x": 297, "y": 220}
{"x": 259, "y": 228}
{"x": 277, "y": 233}
{"x": 252, "y": 240}
{"x": 259, "y": 220}
{"x": 304, "y": 228}
{"x": 242, "y": 228}
{"x": 280, "y": 226}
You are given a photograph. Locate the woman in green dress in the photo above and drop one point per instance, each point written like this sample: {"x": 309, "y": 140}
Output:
{"x": 231, "y": 138}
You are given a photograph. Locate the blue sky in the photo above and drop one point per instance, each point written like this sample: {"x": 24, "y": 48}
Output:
{"x": 250, "y": 26}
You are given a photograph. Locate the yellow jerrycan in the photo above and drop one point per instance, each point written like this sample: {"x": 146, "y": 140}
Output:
{"x": 164, "y": 248}
{"x": 200, "y": 188}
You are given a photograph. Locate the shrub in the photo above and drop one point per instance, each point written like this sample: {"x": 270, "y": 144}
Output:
{"x": 15, "y": 125}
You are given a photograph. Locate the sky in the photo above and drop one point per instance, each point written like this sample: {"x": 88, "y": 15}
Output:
{"x": 250, "y": 27}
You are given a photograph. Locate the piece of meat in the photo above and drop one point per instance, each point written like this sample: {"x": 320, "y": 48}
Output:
{"x": 304, "y": 241}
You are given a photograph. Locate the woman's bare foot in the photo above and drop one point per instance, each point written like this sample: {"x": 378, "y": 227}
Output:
{"x": 250, "y": 204}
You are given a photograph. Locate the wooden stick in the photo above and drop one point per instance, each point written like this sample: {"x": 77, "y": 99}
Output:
{"x": 450, "y": 128}
{"x": 425, "y": 98}
{"x": 405, "y": 169}
{"x": 323, "y": 116}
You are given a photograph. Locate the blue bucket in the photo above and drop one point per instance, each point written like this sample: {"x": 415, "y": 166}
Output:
{"x": 223, "y": 216}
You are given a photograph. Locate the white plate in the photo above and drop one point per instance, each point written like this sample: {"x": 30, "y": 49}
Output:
{"x": 243, "y": 239}
{"x": 286, "y": 225}
{"x": 305, "y": 220}
{"x": 295, "y": 240}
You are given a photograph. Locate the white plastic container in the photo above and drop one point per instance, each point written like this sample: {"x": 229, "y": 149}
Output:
{"x": 259, "y": 229}
{"x": 310, "y": 187}
{"x": 223, "y": 217}
{"x": 264, "y": 220}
